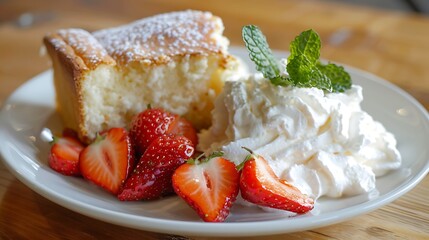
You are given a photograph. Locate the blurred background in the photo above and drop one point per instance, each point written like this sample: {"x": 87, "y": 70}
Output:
{"x": 418, "y": 6}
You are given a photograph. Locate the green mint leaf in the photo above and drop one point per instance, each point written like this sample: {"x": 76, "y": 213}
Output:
{"x": 303, "y": 67}
{"x": 304, "y": 74}
{"x": 304, "y": 55}
{"x": 306, "y": 46}
{"x": 305, "y": 70}
{"x": 339, "y": 78}
{"x": 260, "y": 53}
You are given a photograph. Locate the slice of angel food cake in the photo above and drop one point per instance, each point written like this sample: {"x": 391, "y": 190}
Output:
{"x": 305, "y": 118}
{"x": 177, "y": 61}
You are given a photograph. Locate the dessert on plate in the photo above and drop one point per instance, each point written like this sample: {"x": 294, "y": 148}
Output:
{"x": 177, "y": 61}
{"x": 281, "y": 138}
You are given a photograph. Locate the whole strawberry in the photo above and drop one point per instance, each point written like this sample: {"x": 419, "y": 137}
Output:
{"x": 151, "y": 178}
{"x": 64, "y": 155}
{"x": 154, "y": 122}
{"x": 260, "y": 185}
{"x": 108, "y": 161}
{"x": 210, "y": 186}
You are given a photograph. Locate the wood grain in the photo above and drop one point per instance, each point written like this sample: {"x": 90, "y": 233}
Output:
{"x": 392, "y": 45}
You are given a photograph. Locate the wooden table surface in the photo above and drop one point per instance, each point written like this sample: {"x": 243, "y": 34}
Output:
{"x": 389, "y": 44}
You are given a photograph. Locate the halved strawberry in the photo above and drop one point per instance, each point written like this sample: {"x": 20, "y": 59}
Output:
{"x": 151, "y": 178}
{"x": 64, "y": 155}
{"x": 152, "y": 123}
{"x": 108, "y": 161}
{"x": 260, "y": 185}
{"x": 209, "y": 186}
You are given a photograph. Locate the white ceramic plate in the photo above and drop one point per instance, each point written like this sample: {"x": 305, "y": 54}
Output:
{"x": 31, "y": 108}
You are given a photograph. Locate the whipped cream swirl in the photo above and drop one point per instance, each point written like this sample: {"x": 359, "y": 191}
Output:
{"x": 323, "y": 143}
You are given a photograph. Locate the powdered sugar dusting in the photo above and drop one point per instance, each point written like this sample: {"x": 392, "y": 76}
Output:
{"x": 83, "y": 44}
{"x": 160, "y": 37}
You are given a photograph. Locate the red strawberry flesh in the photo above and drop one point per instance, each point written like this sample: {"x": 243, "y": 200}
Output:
{"x": 108, "y": 161}
{"x": 210, "y": 188}
{"x": 260, "y": 185}
{"x": 64, "y": 155}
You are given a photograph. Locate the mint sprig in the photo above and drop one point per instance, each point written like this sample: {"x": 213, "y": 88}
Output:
{"x": 304, "y": 67}
{"x": 260, "y": 53}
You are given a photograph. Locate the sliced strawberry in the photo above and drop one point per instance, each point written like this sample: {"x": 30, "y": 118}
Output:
{"x": 151, "y": 178}
{"x": 64, "y": 155}
{"x": 108, "y": 161}
{"x": 260, "y": 185}
{"x": 210, "y": 186}
{"x": 152, "y": 123}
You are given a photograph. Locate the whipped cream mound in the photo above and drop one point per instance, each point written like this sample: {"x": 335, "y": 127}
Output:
{"x": 324, "y": 144}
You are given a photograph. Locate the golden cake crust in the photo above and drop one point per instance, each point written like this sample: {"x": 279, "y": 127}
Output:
{"x": 69, "y": 68}
{"x": 153, "y": 40}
